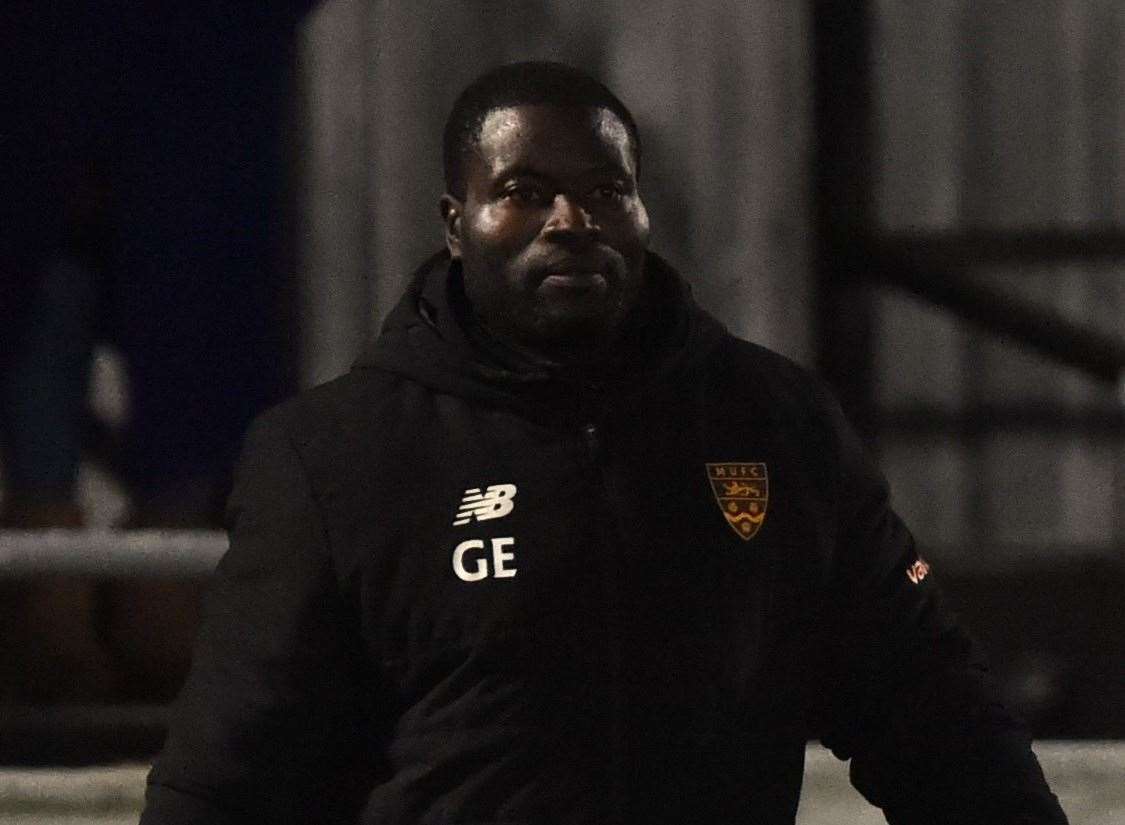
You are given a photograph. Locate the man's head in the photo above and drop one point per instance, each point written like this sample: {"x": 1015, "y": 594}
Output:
{"x": 542, "y": 207}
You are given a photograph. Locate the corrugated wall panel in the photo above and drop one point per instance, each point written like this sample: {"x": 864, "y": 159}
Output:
{"x": 332, "y": 214}
{"x": 1003, "y": 115}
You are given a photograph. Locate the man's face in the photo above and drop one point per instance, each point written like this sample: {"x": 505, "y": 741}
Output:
{"x": 552, "y": 231}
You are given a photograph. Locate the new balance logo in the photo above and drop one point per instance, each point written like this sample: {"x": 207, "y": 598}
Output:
{"x": 494, "y": 502}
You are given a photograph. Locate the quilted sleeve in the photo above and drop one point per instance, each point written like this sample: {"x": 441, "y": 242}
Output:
{"x": 268, "y": 727}
{"x": 912, "y": 704}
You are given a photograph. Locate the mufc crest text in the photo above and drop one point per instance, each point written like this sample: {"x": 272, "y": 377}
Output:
{"x": 742, "y": 491}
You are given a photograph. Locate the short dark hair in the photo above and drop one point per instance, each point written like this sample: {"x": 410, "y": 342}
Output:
{"x": 518, "y": 84}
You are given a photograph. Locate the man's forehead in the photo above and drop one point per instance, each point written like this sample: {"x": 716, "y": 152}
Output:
{"x": 509, "y": 134}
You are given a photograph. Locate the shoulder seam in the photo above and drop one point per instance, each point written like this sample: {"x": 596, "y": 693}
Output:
{"x": 306, "y": 479}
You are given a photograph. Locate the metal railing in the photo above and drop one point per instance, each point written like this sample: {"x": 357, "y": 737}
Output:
{"x": 108, "y": 553}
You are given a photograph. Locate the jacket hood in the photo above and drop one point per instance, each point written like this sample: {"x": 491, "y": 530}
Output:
{"x": 430, "y": 337}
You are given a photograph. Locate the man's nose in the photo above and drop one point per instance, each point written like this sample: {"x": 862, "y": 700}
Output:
{"x": 568, "y": 217}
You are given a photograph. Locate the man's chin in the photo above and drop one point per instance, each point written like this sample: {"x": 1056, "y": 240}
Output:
{"x": 571, "y": 328}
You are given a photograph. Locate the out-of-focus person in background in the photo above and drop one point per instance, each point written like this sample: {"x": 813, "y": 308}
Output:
{"x": 48, "y": 354}
{"x": 142, "y": 207}
{"x": 58, "y": 300}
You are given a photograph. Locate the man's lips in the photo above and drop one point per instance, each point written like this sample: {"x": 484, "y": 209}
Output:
{"x": 574, "y": 279}
{"x": 579, "y": 272}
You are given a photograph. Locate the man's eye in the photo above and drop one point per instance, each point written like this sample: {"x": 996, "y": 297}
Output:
{"x": 525, "y": 194}
{"x": 609, "y": 191}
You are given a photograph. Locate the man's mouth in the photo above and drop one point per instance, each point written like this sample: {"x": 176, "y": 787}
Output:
{"x": 574, "y": 279}
{"x": 583, "y": 272}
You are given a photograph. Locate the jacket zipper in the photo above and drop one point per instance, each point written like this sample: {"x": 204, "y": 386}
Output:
{"x": 593, "y": 445}
{"x": 592, "y": 439}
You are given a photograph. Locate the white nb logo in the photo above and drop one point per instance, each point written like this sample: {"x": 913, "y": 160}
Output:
{"x": 494, "y": 502}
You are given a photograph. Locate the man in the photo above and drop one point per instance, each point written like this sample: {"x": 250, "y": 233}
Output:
{"x": 561, "y": 550}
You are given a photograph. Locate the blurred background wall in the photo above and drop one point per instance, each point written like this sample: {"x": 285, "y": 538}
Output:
{"x": 1004, "y": 116}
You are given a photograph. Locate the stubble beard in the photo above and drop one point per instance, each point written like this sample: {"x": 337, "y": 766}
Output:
{"x": 558, "y": 326}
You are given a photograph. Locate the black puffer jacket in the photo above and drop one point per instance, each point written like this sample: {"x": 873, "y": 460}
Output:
{"x": 467, "y": 589}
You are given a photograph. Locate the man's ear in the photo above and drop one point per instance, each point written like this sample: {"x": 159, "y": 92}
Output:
{"x": 451, "y": 216}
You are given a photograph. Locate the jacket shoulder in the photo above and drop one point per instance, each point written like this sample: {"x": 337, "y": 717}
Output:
{"x": 329, "y": 426}
{"x": 748, "y": 355}
{"x": 331, "y": 409}
{"x": 769, "y": 384}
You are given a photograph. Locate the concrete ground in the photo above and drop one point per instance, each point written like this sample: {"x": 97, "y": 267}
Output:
{"x": 1089, "y": 778}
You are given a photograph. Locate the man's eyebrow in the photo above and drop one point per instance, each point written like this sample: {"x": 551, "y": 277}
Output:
{"x": 612, "y": 169}
{"x": 524, "y": 170}
{"x": 520, "y": 170}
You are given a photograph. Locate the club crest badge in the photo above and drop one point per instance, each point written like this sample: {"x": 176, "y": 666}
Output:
{"x": 742, "y": 490}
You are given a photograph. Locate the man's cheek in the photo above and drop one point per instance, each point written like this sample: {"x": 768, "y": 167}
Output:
{"x": 504, "y": 227}
{"x": 489, "y": 221}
